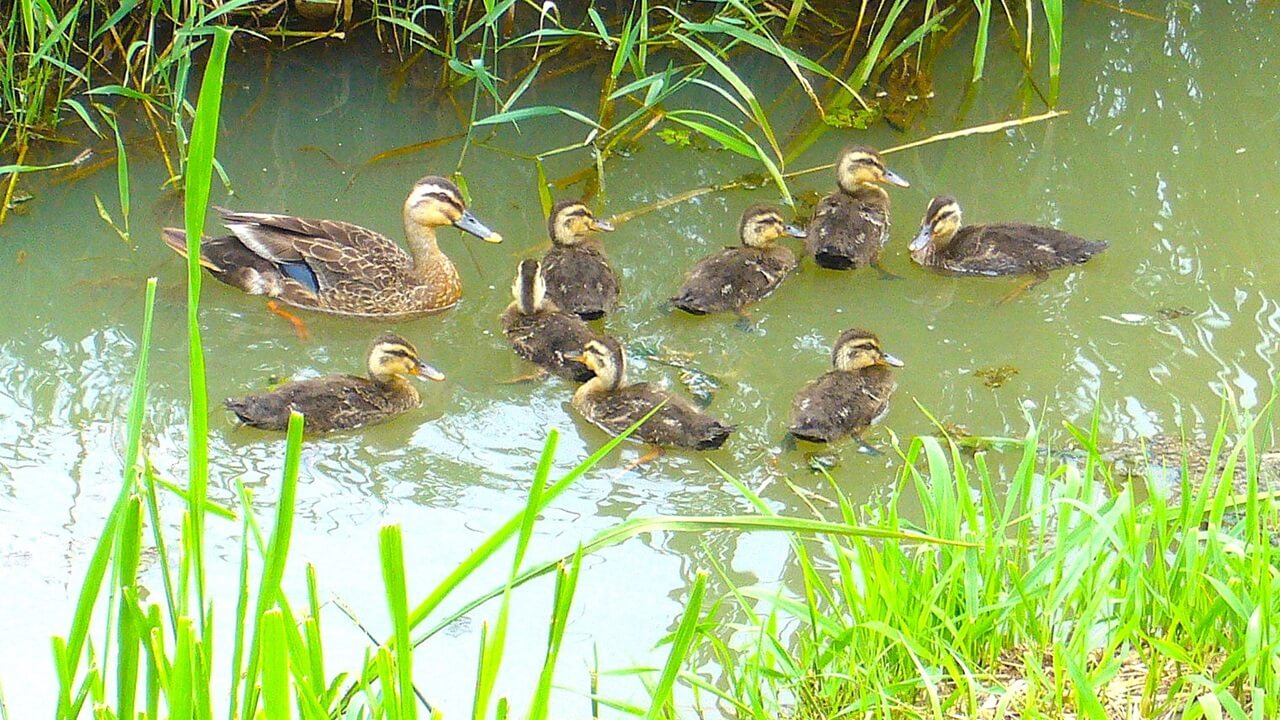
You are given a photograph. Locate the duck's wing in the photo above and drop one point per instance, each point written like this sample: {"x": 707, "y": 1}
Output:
{"x": 320, "y": 254}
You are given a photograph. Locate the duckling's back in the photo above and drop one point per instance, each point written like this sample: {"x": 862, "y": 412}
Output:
{"x": 335, "y": 402}
{"x": 839, "y": 404}
{"x": 678, "y": 423}
{"x": 733, "y": 278}
{"x": 1013, "y": 249}
{"x": 848, "y": 230}
{"x": 580, "y": 279}
{"x": 546, "y": 338}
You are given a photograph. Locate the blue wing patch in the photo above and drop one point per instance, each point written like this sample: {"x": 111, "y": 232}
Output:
{"x": 302, "y": 273}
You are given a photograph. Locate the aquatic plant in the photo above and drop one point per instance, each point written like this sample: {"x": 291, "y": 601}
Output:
{"x": 64, "y": 59}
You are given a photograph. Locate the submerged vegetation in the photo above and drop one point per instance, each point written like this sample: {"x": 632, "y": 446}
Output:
{"x": 99, "y": 63}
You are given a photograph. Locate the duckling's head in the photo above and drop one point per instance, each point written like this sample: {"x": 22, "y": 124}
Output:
{"x": 762, "y": 224}
{"x": 607, "y": 360}
{"x": 571, "y": 221}
{"x": 436, "y": 202}
{"x": 530, "y": 287}
{"x": 941, "y": 221}
{"x": 856, "y": 349}
{"x": 392, "y": 356}
{"x": 859, "y": 165}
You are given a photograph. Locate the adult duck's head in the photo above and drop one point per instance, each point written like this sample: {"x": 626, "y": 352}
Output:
{"x": 436, "y": 202}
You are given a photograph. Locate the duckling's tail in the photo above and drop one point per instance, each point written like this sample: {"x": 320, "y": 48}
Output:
{"x": 832, "y": 260}
{"x": 686, "y": 303}
{"x": 716, "y": 436}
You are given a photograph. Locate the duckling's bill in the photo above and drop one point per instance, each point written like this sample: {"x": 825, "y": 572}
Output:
{"x": 471, "y": 224}
{"x": 794, "y": 231}
{"x": 601, "y": 225}
{"x": 921, "y": 239}
{"x": 888, "y": 359}
{"x": 894, "y": 178}
{"x": 422, "y": 369}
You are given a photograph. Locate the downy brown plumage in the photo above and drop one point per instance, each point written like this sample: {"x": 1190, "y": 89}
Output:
{"x": 609, "y": 403}
{"x": 579, "y": 278}
{"x": 849, "y": 398}
{"x": 732, "y": 278}
{"x": 945, "y": 245}
{"x": 851, "y": 225}
{"x": 342, "y": 402}
{"x": 540, "y": 332}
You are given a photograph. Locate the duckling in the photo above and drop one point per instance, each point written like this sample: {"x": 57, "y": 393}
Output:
{"x": 943, "y": 245}
{"x": 851, "y": 225}
{"x": 539, "y": 332}
{"x": 340, "y": 268}
{"x": 737, "y": 276}
{"x": 343, "y": 402}
{"x": 848, "y": 399}
{"x": 579, "y": 278}
{"x": 608, "y": 402}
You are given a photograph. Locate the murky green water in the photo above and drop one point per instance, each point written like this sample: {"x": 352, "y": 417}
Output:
{"x": 1168, "y": 154}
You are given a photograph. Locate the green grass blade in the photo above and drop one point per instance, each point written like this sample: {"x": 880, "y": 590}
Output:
{"x": 680, "y": 646}
{"x": 276, "y": 555}
{"x": 275, "y": 668}
{"x": 198, "y": 179}
{"x": 391, "y": 547}
{"x": 91, "y": 586}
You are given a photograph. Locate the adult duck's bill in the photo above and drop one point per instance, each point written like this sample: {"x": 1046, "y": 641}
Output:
{"x": 471, "y": 224}
{"x": 422, "y": 369}
{"x": 894, "y": 178}
{"x": 888, "y": 359}
{"x": 921, "y": 239}
{"x": 794, "y": 231}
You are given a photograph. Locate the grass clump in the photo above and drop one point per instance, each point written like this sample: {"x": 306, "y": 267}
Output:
{"x": 124, "y": 70}
{"x": 1069, "y": 594}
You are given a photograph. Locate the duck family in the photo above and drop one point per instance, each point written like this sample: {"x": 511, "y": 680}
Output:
{"x": 344, "y": 269}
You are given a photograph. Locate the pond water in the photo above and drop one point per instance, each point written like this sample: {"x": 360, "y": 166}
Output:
{"x": 1168, "y": 153}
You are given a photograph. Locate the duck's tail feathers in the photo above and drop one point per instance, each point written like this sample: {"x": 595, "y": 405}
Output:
{"x": 176, "y": 239}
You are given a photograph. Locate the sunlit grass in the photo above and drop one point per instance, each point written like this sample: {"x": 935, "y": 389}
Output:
{"x": 1076, "y": 595}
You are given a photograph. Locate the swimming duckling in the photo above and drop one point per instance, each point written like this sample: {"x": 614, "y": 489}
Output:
{"x": 539, "y": 332}
{"x": 943, "y": 245}
{"x": 848, "y": 399}
{"x": 340, "y": 268}
{"x": 343, "y": 402}
{"x": 579, "y": 278}
{"x": 737, "y": 276}
{"x": 851, "y": 225}
{"x": 608, "y": 402}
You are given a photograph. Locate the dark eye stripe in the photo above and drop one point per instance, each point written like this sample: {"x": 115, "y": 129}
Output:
{"x": 399, "y": 353}
{"x": 447, "y": 200}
